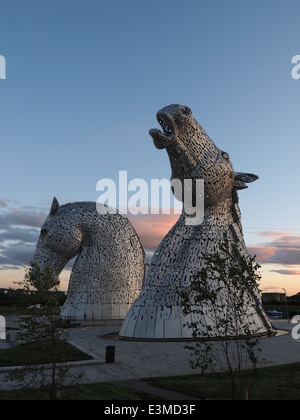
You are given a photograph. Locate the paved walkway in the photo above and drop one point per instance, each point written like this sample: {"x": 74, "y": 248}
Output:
{"x": 135, "y": 360}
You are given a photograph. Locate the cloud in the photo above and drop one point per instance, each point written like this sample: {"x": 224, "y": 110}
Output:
{"x": 20, "y": 227}
{"x": 7, "y": 201}
{"x": 19, "y": 232}
{"x": 19, "y": 253}
{"x": 152, "y": 228}
{"x": 271, "y": 233}
{"x": 23, "y": 218}
{"x": 284, "y": 249}
{"x": 287, "y": 272}
{"x": 9, "y": 267}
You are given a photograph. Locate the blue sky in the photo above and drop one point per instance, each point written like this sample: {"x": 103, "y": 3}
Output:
{"x": 86, "y": 78}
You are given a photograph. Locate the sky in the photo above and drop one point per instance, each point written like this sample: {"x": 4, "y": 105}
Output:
{"x": 84, "y": 80}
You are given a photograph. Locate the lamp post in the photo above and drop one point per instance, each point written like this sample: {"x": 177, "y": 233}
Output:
{"x": 286, "y": 304}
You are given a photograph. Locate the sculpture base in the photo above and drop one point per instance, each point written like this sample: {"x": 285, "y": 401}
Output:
{"x": 74, "y": 322}
{"x": 271, "y": 333}
{"x": 168, "y": 323}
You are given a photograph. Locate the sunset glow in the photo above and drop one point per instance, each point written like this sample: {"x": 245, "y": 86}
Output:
{"x": 82, "y": 86}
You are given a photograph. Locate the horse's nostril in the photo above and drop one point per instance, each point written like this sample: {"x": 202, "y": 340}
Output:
{"x": 44, "y": 232}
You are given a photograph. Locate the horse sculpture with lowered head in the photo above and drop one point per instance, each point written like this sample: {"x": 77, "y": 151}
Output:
{"x": 108, "y": 272}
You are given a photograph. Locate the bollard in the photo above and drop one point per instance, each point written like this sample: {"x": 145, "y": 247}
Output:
{"x": 110, "y": 354}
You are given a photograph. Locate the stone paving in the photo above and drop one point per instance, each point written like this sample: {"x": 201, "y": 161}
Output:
{"x": 135, "y": 359}
{"x": 149, "y": 359}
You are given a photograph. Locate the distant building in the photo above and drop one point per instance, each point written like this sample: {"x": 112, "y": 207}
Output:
{"x": 273, "y": 297}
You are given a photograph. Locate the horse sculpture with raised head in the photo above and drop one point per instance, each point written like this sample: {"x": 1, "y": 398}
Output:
{"x": 108, "y": 272}
{"x": 157, "y": 314}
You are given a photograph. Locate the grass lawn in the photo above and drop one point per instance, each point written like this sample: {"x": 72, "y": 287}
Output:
{"x": 99, "y": 392}
{"x": 271, "y": 383}
{"x": 11, "y": 310}
{"x": 36, "y": 353}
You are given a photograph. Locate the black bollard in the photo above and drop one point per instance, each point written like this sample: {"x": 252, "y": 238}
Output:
{"x": 110, "y": 354}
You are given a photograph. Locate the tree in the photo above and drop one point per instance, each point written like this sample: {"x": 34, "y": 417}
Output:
{"x": 42, "y": 329}
{"x": 224, "y": 335}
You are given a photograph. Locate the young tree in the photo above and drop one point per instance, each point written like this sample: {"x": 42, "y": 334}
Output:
{"x": 43, "y": 327}
{"x": 225, "y": 336}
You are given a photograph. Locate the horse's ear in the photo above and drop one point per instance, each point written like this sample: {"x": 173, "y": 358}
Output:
{"x": 241, "y": 179}
{"x": 54, "y": 207}
{"x": 245, "y": 177}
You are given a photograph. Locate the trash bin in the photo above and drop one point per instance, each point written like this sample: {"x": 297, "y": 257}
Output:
{"x": 110, "y": 354}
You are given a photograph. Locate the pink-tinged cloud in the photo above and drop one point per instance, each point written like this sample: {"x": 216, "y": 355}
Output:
{"x": 22, "y": 217}
{"x": 287, "y": 272}
{"x": 152, "y": 228}
{"x": 273, "y": 234}
{"x": 284, "y": 249}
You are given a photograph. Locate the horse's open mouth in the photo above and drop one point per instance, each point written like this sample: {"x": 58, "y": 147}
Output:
{"x": 162, "y": 139}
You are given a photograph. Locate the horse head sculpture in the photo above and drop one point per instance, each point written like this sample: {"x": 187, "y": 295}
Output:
{"x": 157, "y": 314}
{"x": 109, "y": 269}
